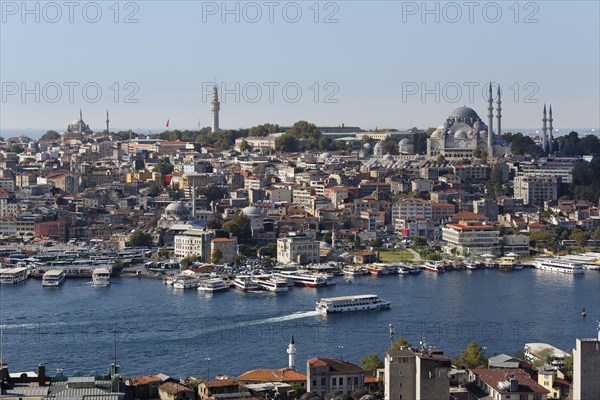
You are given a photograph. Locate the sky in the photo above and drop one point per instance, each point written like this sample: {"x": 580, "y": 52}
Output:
{"x": 372, "y": 64}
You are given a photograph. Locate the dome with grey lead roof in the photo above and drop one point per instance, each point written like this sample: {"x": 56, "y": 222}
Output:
{"x": 379, "y": 144}
{"x": 252, "y": 212}
{"x": 464, "y": 113}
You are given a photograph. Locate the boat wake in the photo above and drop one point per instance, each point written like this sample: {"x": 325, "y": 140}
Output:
{"x": 284, "y": 318}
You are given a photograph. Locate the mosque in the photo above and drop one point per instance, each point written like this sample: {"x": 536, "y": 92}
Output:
{"x": 78, "y": 126}
{"x": 464, "y": 134}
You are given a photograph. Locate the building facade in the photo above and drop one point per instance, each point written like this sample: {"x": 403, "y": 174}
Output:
{"x": 297, "y": 249}
{"x": 328, "y": 375}
{"x": 411, "y": 375}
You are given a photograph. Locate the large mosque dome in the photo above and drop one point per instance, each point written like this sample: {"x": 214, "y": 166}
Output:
{"x": 464, "y": 113}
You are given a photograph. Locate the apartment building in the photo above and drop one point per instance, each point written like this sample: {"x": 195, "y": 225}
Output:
{"x": 300, "y": 249}
{"x": 472, "y": 238}
{"x": 536, "y": 189}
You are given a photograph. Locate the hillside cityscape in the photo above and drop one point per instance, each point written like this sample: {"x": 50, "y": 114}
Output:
{"x": 283, "y": 200}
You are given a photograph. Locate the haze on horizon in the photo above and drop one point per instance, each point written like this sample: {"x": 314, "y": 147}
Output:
{"x": 367, "y": 64}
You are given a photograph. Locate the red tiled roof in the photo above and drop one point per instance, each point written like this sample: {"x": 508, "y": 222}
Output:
{"x": 272, "y": 375}
{"x": 144, "y": 380}
{"x": 495, "y": 375}
{"x": 220, "y": 383}
{"x": 335, "y": 365}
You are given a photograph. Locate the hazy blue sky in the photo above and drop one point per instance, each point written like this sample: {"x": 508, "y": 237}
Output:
{"x": 374, "y": 61}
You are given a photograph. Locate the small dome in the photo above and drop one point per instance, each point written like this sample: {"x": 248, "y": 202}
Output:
{"x": 367, "y": 145}
{"x": 177, "y": 206}
{"x": 324, "y": 245}
{"x": 379, "y": 145}
{"x": 405, "y": 141}
{"x": 252, "y": 211}
{"x": 460, "y": 134}
{"x": 388, "y": 157}
{"x": 325, "y": 155}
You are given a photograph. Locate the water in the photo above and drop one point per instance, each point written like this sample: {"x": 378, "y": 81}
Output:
{"x": 162, "y": 330}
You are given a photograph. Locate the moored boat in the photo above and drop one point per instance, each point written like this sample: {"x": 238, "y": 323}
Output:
{"x": 100, "y": 277}
{"x": 434, "y": 267}
{"x": 186, "y": 282}
{"x": 555, "y": 264}
{"x": 271, "y": 283}
{"x": 246, "y": 284}
{"x": 53, "y": 278}
{"x": 12, "y": 276}
{"x": 303, "y": 279}
{"x": 378, "y": 269}
{"x": 212, "y": 285}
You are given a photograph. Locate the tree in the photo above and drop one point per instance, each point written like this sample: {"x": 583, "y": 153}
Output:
{"x": 50, "y": 136}
{"x": 216, "y": 257}
{"x": 568, "y": 367}
{"x": 16, "y": 148}
{"x": 139, "y": 238}
{"x": 286, "y": 143}
{"x": 154, "y": 190}
{"x": 244, "y": 146}
{"x": 371, "y": 362}
{"x": 472, "y": 356}
{"x": 298, "y": 389}
{"x": 263, "y": 130}
{"x": 212, "y": 193}
{"x": 579, "y": 237}
{"x": 401, "y": 343}
{"x": 163, "y": 252}
{"x": 493, "y": 186}
{"x": 188, "y": 261}
{"x": 420, "y": 241}
{"x": 544, "y": 357}
{"x": 239, "y": 226}
{"x": 164, "y": 168}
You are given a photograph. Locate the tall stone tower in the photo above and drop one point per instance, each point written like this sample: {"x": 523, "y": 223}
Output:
{"x": 291, "y": 350}
{"x": 215, "y": 108}
{"x": 107, "y": 121}
{"x": 490, "y": 136}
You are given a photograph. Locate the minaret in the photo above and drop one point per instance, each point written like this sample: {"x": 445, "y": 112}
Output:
{"x": 80, "y": 123}
{"x": 291, "y": 350}
{"x": 193, "y": 202}
{"x": 499, "y": 114}
{"x": 550, "y": 130}
{"x": 107, "y": 121}
{"x": 490, "y": 138}
{"x": 333, "y": 236}
{"x": 544, "y": 130}
{"x": 215, "y": 108}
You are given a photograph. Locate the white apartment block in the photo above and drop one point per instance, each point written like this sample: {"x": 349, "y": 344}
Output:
{"x": 410, "y": 208}
{"x": 536, "y": 189}
{"x": 194, "y": 242}
{"x": 473, "y": 237}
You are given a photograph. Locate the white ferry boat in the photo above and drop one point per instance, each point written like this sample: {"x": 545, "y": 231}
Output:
{"x": 378, "y": 269}
{"x": 186, "y": 282}
{"x": 558, "y": 265}
{"x": 53, "y": 278}
{"x": 100, "y": 277}
{"x": 245, "y": 284}
{"x": 351, "y": 270}
{"x": 434, "y": 267}
{"x": 212, "y": 285}
{"x": 271, "y": 283}
{"x": 302, "y": 279}
{"x": 351, "y": 303}
{"x": 12, "y": 276}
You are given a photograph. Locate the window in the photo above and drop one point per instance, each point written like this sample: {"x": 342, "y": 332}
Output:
{"x": 356, "y": 381}
{"x": 333, "y": 382}
{"x": 401, "y": 373}
{"x": 323, "y": 381}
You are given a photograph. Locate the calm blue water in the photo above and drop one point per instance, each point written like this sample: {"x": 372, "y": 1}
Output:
{"x": 162, "y": 330}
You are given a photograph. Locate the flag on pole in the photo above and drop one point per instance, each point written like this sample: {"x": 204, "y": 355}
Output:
{"x": 167, "y": 123}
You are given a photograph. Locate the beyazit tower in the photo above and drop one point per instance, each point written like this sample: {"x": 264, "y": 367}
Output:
{"x": 215, "y": 108}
